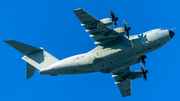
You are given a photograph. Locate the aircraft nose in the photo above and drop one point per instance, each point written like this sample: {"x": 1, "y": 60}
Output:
{"x": 171, "y": 33}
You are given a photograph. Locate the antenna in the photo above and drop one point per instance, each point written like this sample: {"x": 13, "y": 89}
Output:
{"x": 172, "y": 29}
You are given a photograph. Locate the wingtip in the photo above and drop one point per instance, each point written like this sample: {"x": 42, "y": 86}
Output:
{"x": 77, "y": 9}
{"x": 7, "y": 40}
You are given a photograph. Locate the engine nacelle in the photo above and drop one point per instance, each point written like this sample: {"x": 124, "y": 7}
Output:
{"x": 104, "y": 22}
{"x": 117, "y": 31}
{"x": 120, "y": 30}
{"x": 107, "y": 21}
{"x": 135, "y": 75}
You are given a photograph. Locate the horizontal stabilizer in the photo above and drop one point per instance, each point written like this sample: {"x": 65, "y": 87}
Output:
{"x": 36, "y": 58}
{"x": 23, "y": 48}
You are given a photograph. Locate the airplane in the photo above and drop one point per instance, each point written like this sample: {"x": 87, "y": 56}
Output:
{"x": 114, "y": 54}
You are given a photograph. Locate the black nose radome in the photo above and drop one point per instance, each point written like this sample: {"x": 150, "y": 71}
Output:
{"x": 171, "y": 33}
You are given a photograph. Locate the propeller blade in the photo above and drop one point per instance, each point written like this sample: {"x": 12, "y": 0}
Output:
{"x": 143, "y": 59}
{"x": 125, "y": 25}
{"x": 112, "y": 14}
{"x": 115, "y": 23}
{"x": 126, "y": 28}
{"x": 144, "y": 72}
{"x": 127, "y": 34}
{"x": 145, "y": 77}
{"x": 114, "y": 19}
{"x": 142, "y": 67}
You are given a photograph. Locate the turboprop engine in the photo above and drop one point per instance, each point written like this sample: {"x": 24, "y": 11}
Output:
{"x": 135, "y": 75}
{"x": 138, "y": 74}
{"x": 105, "y": 21}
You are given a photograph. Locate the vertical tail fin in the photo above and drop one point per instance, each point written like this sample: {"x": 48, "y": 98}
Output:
{"x": 35, "y": 57}
{"x": 30, "y": 70}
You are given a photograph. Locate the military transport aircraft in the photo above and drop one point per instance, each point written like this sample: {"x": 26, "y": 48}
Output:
{"x": 114, "y": 54}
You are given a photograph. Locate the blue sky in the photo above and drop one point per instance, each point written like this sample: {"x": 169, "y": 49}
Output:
{"x": 53, "y": 26}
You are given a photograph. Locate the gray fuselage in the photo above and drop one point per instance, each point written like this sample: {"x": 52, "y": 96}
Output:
{"x": 112, "y": 57}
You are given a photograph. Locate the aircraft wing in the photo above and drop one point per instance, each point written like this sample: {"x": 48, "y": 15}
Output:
{"x": 124, "y": 85}
{"x": 103, "y": 34}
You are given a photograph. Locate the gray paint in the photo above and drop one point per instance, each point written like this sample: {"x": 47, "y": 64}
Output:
{"x": 105, "y": 58}
{"x": 115, "y": 53}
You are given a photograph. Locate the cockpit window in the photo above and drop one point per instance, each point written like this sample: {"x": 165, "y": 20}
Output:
{"x": 163, "y": 29}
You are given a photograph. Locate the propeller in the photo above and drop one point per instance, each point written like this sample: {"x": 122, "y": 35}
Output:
{"x": 114, "y": 19}
{"x": 126, "y": 28}
{"x": 144, "y": 72}
{"x": 142, "y": 59}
